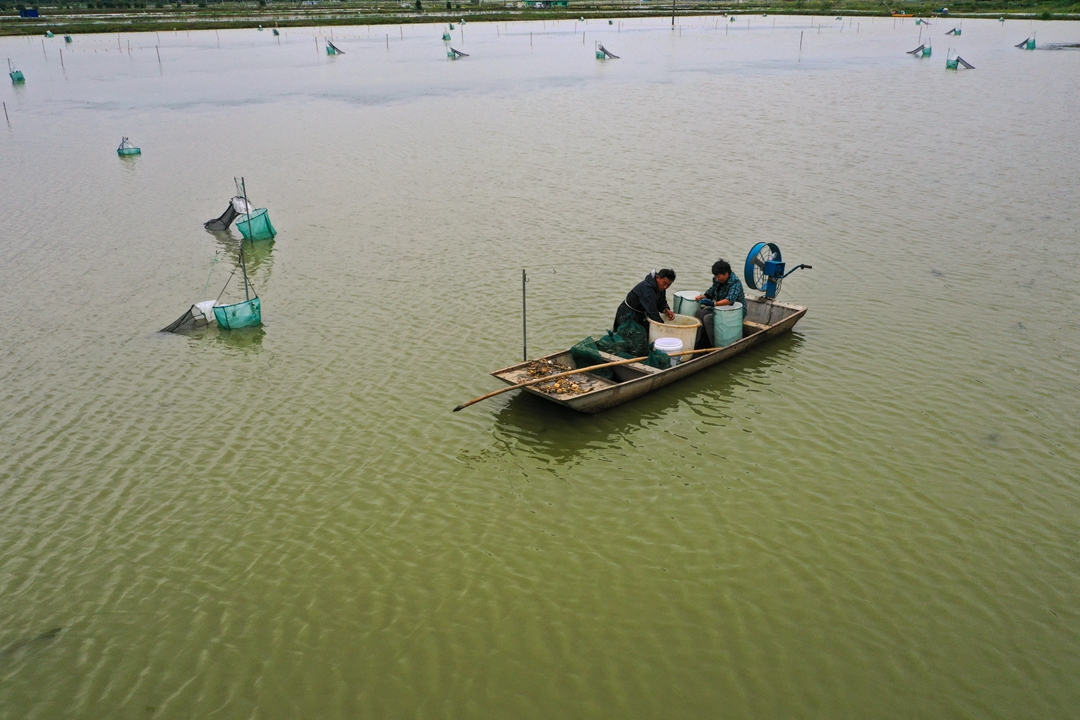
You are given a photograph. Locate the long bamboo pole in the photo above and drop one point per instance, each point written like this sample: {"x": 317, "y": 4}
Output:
{"x": 574, "y": 372}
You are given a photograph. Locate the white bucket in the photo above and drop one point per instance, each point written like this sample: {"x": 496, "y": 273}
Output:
{"x": 670, "y": 345}
{"x": 683, "y": 327}
{"x": 685, "y": 304}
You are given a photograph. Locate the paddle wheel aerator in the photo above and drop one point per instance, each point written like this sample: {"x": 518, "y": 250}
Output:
{"x": 765, "y": 269}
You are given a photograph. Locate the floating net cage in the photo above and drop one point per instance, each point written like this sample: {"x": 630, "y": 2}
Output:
{"x": 253, "y": 223}
{"x": 126, "y": 148}
{"x": 15, "y": 74}
{"x": 332, "y": 49}
{"x": 229, "y": 315}
{"x": 256, "y": 225}
{"x": 239, "y": 315}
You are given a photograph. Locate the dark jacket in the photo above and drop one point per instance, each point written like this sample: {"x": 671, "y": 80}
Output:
{"x": 646, "y": 300}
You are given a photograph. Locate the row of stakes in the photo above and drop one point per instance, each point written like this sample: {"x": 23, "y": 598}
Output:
{"x": 951, "y": 63}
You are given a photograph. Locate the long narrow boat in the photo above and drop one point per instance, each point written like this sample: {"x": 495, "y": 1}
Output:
{"x": 765, "y": 319}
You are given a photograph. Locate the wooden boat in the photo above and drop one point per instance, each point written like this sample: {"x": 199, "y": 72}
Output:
{"x": 902, "y": 14}
{"x": 765, "y": 319}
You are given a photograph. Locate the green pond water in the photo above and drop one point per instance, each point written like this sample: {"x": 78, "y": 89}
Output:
{"x": 875, "y": 516}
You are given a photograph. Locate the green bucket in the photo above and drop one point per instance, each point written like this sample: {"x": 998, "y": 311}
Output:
{"x": 257, "y": 226}
{"x": 728, "y": 324}
{"x": 685, "y": 304}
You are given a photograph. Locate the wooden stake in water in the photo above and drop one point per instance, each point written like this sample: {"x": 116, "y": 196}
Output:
{"x": 9, "y": 122}
{"x": 62, "y": 57}
{"x": 43, "y": 50}
{"x": 158, "y": 51}
{"x": 388, "y": 42}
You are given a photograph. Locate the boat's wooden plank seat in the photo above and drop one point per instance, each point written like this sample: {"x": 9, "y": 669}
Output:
{"x": 757, "y": 327}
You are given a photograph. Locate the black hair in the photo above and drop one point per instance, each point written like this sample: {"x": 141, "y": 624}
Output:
{"x": 721, "y": 267}
{"x": 666, "y": 273}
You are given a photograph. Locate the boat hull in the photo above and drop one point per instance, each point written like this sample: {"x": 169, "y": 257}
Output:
{"x": 765, "y": 321}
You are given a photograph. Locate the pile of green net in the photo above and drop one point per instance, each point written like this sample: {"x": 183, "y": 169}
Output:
{"x": 629, "y": 340}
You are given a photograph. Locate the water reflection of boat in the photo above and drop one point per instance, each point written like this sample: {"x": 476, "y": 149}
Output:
{"x": 764, "y": 321}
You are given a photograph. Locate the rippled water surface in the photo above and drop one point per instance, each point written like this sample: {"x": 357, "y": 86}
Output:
{"x": 875, "y": 516}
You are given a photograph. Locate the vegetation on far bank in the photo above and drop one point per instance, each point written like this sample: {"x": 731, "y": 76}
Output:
{"x": 99, "y": 16}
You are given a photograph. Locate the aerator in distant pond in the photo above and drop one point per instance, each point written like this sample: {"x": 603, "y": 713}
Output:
{"x": 765, "y": 269}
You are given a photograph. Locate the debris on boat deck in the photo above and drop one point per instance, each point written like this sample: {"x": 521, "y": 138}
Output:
{"x": 574, "y": 384}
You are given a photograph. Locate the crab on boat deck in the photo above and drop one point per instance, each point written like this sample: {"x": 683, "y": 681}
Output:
{"x": 765, "y": 319}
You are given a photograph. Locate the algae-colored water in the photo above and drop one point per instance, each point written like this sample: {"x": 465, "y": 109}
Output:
{"x": 875, "y": 516}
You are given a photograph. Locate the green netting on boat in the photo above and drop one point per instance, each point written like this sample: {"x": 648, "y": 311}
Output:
{"x": 257, "y": 226}
{"x": 658, "y": 359}
{"x": 635, "y": 337}
{"x": 585, "y": 353}
{"x": 240, "y": 315}
{"x": 615, "y": 344}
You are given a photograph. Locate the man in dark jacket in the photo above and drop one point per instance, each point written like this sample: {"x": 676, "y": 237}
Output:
{"x": 648, "y": 299}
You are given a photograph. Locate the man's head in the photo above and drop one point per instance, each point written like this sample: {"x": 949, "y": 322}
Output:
{"x": 664, "y": 278}
{"x": 721, "y": 270}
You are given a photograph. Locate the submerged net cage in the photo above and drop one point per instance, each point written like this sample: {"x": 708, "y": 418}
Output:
{"x": 240, "y": 315}
{"x": 237, "y": 206}
{"x": 602, "y": 53}
{"x": 332, "y": 49}
{"x": 256, "y": 226}
{"x": 185, "y": 323}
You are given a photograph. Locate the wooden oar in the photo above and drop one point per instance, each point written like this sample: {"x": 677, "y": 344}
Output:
{"x": 573, "y": 372}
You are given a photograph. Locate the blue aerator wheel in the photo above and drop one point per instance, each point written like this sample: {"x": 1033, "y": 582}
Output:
{"x": 754, "y": 272}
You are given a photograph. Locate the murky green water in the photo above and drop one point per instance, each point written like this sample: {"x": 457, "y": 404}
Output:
{"x": 873, "y": 517}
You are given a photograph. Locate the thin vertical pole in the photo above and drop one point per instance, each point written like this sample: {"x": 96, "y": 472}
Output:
{"x": 6, "y": 115}
{"x": 43, "y": 49}
{"x": 243, "y": 265}
{"x": 62, "y": 57}
{"x": 672, "y": 14}
{"x": 524, "y": 323}
{"x": 158, "y": 51}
